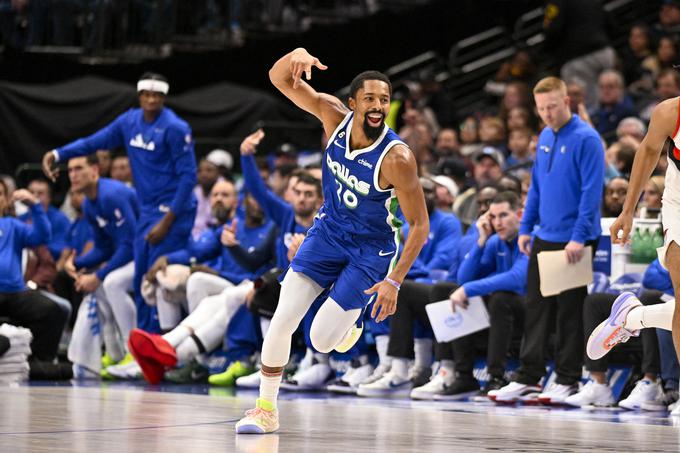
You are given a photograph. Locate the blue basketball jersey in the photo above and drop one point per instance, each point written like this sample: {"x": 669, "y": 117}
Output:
{"x": 354, "y": 203}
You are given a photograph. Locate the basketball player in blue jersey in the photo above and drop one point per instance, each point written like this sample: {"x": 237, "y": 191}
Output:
{"x": 368, "y": 172}
{"x": 161, "y": 152}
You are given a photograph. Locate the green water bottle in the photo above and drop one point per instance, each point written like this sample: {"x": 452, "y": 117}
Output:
{"x": 635, "y": 247}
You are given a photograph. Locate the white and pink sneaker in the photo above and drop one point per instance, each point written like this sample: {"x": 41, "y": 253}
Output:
{"x": 611, "y": 331}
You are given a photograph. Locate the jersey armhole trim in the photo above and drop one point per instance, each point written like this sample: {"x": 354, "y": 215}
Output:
{"x": 677, "y": 123}
{"x": 378, "y": 165}
{"x": 341, "y": 126}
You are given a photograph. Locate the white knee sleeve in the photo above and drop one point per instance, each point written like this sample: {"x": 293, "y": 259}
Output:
{"x": 298, "y": 292}
{"x": 201, "y": 285}
{"x": 331, "y": 324}
{"x": 117, "y": 286}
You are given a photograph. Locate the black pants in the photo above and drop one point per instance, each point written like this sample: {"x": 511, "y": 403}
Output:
{"x": 64, "y": 286}
{"x": 567, "y": 308}
{"x": 596, "y": 309}
{"x": 413, "y": 297}
{"x": 40, "y": 315}
{"x": 506, "y": 316}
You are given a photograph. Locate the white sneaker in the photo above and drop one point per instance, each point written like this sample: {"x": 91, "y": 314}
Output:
{"x": 515, "y": 391}
{"x": 386, "y": 386}
{"x": 252, "y": 381}
{"x": 315, "y": 377}
{"x": 592, "y": 394}
{"x": 436, "y": 386}
{"x": 645, "y": 390}
{"x": 81, "y": 373}
{"x": 675, "y": 408}
{"x": 129, "y": 371}
{"x": 669, "y": 398}
{"x": 378, "y": 373}
{"x": 349, "y": 382}
{"x": 556, "y": 394}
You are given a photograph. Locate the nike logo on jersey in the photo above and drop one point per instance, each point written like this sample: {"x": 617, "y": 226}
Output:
{"x": 338, "y": 144}
{"x": 381, "y": 253}
{"x": 101, "y": 222}
{"x": 120, "y": 222}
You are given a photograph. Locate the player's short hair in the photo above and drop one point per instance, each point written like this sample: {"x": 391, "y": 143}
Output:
{"x": 306, "y": 178}
{"x": 153, "y": 76}
{"x": 92, "y": 159}
{"x": 359, "y": 80}
{"x": 548, "y": 84}
{"x": 509, "y": 197}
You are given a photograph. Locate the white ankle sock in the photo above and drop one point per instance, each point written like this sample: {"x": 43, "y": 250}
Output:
{"x": 187, "y": 350}
{"x": 422, "y": 349}
{"x": 269, "y": 386}
{"x": 177, "y": 335}
{"x": 659, "y": 315}
{"x": 381, "y": 344}
{"x": 400, "y": 368}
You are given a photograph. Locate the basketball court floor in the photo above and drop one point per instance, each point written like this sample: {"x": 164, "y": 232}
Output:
{"x": 121, "y": 418}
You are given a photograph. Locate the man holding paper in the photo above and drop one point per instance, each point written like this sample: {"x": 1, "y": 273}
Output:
{"x": 564, "y": 202}
{"x": 496, "y": 270}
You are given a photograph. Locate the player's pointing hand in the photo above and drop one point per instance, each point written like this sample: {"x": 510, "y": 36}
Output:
{"x": 301, "y": 61}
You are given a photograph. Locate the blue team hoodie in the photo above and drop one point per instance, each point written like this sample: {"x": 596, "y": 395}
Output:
{"x": 566, "y": 184}
{"x": 498, "y": 266}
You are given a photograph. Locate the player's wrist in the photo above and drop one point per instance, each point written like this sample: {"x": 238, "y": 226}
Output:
{"x": 394, "y": 283}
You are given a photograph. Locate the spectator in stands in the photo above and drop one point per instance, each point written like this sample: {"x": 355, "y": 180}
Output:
{"x": 625, "y": 155}
{"x": 104, "y": 158}
{"x": 492, "y": 132}
{"x": 23, "y": 306}
{"x": 224, "y": 162}
{"x": 613, "y": 104}
{"x": 667, "y": 87}
{"x": 651, "y": 197}
{"x": 120, "y": 170}
{"x": 614, "y": 195}
{"x": 631, "y": 127}
{"x": 456, "y": 169}
{"x": 278, "y": 179}
{"x": 469, "y": 136}
{"x": 665, "y": 57}
{"x": 446, "y": 143}
{"x": 488, "y": 170}
{"x": 662, "y": 164}
{"x": 639, "y": 47}
{"x": 516, "y": 95}
{"x": 519, "y": 68}
{"x": 208, "y": 175}
{"x": 446, "y": 191}
{"x": 576, "y": 34}
{"x": 59, "y": 223}
{"x": 669, "y": 19}
{"x": 567, "y": 213}
{"x": 518, "y": 117}
{"x": 520, "y": 151}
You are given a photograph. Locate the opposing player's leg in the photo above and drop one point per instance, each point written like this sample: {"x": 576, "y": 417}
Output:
{"x": 628, "y": 315}
{"x": 298, "y": 292}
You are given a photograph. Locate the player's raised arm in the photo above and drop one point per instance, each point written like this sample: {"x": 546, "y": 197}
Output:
{"x": 287, "y": 76}
{"x": 661, "y": 126}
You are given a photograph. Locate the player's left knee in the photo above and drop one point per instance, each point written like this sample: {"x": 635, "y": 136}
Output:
{"x": 321, "y": 340}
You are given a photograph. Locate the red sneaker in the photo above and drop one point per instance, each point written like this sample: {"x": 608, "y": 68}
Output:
{"x": 152, "y": 346}
{"x": 152, "y": 353}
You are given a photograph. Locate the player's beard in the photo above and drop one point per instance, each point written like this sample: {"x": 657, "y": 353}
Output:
{"x": 373, "y": 132}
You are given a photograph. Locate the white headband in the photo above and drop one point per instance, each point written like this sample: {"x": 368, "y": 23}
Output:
{"x": 153, "y": 85}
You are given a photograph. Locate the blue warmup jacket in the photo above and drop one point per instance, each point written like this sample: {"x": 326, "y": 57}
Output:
{"x": 208, "y": 248}
{"x": 440, "y": 248}
{"x": 280, "y": 212}
{"x": 16, "y": 235}
{"x": 113, "y": 216}
{"x": 656, "y": 277}
{"x": 498, "y": 266}
{"x": 566, "y": 184}
{"x": 59, "y": 225}
{"x": 79, "y": 234}
{"x": 161, "y": 157}
{"x": 462, "y": 249}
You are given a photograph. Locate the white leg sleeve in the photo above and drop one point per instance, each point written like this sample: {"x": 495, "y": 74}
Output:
{"x": 331, "y": 324}
{"x": 113, "y": 343}
{"x": 659, "y": 315}
{"x": 298, "y": 292}
{"x": 169, "y": 314}
{"x": 117, "y": 288}
{"x": 86, "y": 341}
{"x": 201, "y": 285}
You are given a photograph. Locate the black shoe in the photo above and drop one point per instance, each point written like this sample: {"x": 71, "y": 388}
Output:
{"x": 420, "y": 376}
{"x": 463, "y": 387}
{"x": 494, "y": 383}
{"x": 192, "y": 372}
{"x": 48, "y": 371}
